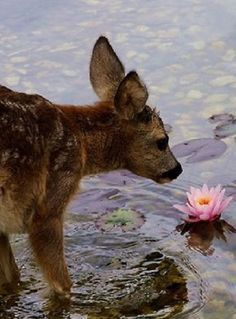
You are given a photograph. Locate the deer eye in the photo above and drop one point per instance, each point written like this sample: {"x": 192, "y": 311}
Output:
{"x": 162, "y": 143}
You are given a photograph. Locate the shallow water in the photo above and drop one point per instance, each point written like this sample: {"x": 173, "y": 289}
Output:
{"x": 155, "y": 268}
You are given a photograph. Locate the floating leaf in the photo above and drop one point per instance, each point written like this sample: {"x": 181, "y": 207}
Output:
{"x": 200, "y": 149}
{"x": 124, "y": 219}
{"x": 223, "y": 118}
{"x": 97, "y": 200}
{"x": 225, "y": 130}
{"x": 226, "y": 126}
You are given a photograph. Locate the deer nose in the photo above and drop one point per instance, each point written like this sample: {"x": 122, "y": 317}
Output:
{"x": 173, "y": 173}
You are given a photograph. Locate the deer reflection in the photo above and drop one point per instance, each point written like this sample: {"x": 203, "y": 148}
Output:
{"x": 200, "y": 236}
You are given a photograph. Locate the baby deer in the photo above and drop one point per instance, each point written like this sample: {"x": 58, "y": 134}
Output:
{"x": 45, "y": 150}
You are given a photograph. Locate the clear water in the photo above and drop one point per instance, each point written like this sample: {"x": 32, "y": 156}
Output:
{"x": 186, "y": 52}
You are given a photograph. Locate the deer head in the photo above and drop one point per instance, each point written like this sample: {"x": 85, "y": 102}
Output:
{"x": 147, "y": 152}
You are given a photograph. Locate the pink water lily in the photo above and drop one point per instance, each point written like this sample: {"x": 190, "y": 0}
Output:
{"x": 204, "y": 204}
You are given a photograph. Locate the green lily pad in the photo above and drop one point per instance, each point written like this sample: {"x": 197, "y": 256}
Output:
{"x": 120, "y": 219}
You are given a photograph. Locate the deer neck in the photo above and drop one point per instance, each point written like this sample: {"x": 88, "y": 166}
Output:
{"x": 98, "y": 129}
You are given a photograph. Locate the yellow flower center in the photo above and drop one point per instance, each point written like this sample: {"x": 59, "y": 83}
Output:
{"x": 203, "y": 200}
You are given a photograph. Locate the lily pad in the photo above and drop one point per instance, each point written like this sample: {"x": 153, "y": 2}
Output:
{"x": 223, "y": 118}
{"x": 226, "y": 126}
{"x": 120, "y": 219}
{"x": 225, "y": 130}
{"x": 199, "y": 150}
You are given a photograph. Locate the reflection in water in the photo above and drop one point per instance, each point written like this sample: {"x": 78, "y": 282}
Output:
{"x": 190, "y": 66}
{"x": 142, "y": 292}
{"x": 200, "y": 236}
{"x": 156, "y": 285}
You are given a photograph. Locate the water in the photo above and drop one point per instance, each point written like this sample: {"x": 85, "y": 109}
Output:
{"x": 186, "y": 53}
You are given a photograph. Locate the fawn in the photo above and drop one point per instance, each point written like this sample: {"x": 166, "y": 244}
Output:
{"x": 45, "y": 149}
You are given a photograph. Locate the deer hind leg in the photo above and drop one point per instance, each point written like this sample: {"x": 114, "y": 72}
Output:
{"x": 9, "y": 273}
{"x": 46, "y": 237}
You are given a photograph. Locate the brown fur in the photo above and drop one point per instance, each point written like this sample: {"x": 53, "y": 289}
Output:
{"x": 45, "y": 150}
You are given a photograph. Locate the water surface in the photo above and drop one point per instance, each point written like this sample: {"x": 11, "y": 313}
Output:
{"x": 186, "y": 53}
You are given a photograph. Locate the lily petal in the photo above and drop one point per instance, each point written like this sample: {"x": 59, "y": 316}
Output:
{"x": 190, "y": 198}
{"x": 192, "y": 220}
{"x": 216, "y": 209}
{"x": 225, "y": 203}
{"x": 197, "y": 208}
{"x": 183, "y": 209}
{"x": 192, "y": 210}
{"x": 205, "y": 189}
{"x": 192, "y": 190}
{"x": 204, "y": 216}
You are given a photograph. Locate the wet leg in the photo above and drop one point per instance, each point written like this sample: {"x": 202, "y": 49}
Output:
{"x": 9, "y": 273}
{"x": 46, "y": 237}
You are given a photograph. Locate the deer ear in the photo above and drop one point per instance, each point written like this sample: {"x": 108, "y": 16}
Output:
{"x": 131, "y": 96}
{"x": 106, "y": 70}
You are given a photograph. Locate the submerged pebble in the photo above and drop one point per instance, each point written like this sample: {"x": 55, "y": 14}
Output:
{"x": 12, "y": 80}
{"x": 216, "y": 98}
{"x": 223, "y": 80}
{"x": 198, "y": 45}
{"x": 229, "y": 55}
{"x": 194, "y": 94}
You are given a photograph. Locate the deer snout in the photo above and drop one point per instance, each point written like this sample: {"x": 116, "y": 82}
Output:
{"x": 173, "y": 173}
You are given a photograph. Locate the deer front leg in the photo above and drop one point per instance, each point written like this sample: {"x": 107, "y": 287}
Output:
{"x": 9, "y": 273}
{"x": 46, "y": 237}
